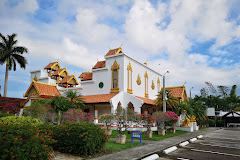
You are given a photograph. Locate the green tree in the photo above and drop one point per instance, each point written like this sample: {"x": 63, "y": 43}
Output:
{"x": 60, "y": 104}
{"x": 11, "y": 54}
{"x": 171, "y": 101}
{"x": 199, "y": 109}
{"x": 75, "y": 98}
{"x": 184, "y": 108}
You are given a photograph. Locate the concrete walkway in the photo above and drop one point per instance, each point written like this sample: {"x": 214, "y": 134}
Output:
{"x": 141, "y": 151}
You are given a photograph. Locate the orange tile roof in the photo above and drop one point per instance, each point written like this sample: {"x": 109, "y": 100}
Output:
{"x": 50, "y": 65}
{"x": 66, "y": 79}
{"x": 113, "y": 51}
{"x": 99, "y": 64}
{"x": 46, "y": 89}
{"x": 146, "y": 100}
{"x": 56, "y": 73}
{"x": 105, "y": 98}
{"x": 87, "y": 77}
{"x": 101, "y": 98}
{"x": 83, "y": 75}
{"x": 176, "y": 91}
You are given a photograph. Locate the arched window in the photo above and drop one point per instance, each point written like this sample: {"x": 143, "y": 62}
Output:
{"x": 146, "y": 84}
{"x": 158, "y": 85}
{"x": 129, "y": 76}
{"x": 115, "y": 77}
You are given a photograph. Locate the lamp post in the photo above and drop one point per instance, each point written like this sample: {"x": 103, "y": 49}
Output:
{"x": 164, "y": 94}
{"x": 191, "y": 93}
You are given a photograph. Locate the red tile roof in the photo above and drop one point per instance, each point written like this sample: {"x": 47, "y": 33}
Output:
{"x": 101, "y": 98}
{"x": 6, "y": 100}
{"x": 65, "y": 79}
{"x": 99, "y": 64}
{"x": 83, "y": 75}
{"x": 56, "y": 73}
{"x": 105, "y": 98}
{"x": 176, "y": 91}
{"x": 113, "y": 51}
{"x": 50, "y": 65}
{"x": 87, "y": 77}
{"x": 46, "y": 89}
{"x": 146, "y": 100}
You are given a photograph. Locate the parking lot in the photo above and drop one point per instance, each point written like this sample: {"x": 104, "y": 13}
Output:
{"x": 223, "y": 144}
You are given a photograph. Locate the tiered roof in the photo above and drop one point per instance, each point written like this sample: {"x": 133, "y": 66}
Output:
{"x": 43, "y": 89}
{"x": 53, "y": 66}
{"x": 87, "y": 77}
{"x": 69, "y": 80}
{"x": 114, "y": 51}
{"x": 178, "y": 92}
{"x": 99, "y": 64}
{"x": 60, "y": 72}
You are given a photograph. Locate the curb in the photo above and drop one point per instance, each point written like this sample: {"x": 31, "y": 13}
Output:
{"x": 169, "y": 150}
{"x": 152, "y": 157}
{"x": 183, "y": 144}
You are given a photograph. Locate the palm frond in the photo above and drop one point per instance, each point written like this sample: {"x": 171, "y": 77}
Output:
{"x": 20, "y": 59}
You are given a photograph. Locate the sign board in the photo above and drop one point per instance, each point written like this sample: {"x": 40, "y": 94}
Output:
{"x": 137, "y": 134}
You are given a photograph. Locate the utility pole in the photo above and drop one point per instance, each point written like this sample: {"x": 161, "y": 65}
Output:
{"x": 164, "y": 93}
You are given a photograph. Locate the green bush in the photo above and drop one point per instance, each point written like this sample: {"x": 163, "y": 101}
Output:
{"x": 220, "y": 123}
{"x": 78, "y": 138}
{"x": 15, "y": 120}
{"x": 24, "y": 141}
{"x": 211, "y": 122}
{"x": 5, "y": 115}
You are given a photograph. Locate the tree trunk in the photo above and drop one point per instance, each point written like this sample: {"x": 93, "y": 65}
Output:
{"x": 6, "y": 80}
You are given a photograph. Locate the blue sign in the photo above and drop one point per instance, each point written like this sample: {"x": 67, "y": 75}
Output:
{"x": 137, "y": 134}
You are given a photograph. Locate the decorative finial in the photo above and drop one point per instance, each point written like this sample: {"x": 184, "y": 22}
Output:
{"x": 146, "y": 62}
{"x": 35, "y": 78}
{"x": 58, "y": 60}
{"x": 97, "y": 60}
{"x": 185, "y": 83}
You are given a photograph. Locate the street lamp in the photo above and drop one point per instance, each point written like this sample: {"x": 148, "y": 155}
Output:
{"x": 164, "y": 94}
{"x": 191, "y": 93}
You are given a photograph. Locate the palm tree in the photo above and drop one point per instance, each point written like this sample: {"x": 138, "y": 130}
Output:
{"x": 199, "y": 110}
{"x": 184, "y": 108}
{"x": 171, "y": 102}
{"x": 10, "y": 53}
{"x": 75, "y": 98}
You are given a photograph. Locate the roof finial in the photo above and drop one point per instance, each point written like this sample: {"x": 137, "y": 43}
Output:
{"x": 121, "y": 45}
{"x": 35, "y": 78}
{"x": 109, "y": 47}
{"x": 97, "y": 60}
{"x": 58, "y": 60}
{"x": 185, "y": 83}
{"x": 146, "y": 62}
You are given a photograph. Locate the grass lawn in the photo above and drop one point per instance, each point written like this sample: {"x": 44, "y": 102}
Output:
{"x": 113, "y": 146}
{"x": 155, "y": 137}
{"x": 200, "y": 128}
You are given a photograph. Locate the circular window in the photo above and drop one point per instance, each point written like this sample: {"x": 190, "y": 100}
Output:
{"x": 101, "y": 85}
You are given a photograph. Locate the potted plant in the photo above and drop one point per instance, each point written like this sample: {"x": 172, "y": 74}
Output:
{"x": 107, "y": 119}
{"x": 161, "y": 119}
{"x": 172, "y": 121}
{"x": 124, "y": 117}
{"x": 147, "y": 121}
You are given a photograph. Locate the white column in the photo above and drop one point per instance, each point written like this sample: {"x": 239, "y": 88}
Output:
{"x": 96, "y": 115}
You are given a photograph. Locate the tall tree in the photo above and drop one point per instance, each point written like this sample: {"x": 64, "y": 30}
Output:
{"x": 223, "y": 91}
{"x": 11, "y": 54}
{"x": 75, "y": 98}
{"x": 171, "y": 101}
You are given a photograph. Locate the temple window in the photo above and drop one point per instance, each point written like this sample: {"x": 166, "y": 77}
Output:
{"x": 115, "y": 77}
{"x": 129, "y": 76}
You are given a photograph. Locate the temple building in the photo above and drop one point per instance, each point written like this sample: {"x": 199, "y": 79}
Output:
{"x": 118, "y": 80}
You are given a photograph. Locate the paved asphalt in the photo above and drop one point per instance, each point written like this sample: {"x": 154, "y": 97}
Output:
{"x": 223, "y": 144}
{"x": 155, "y": 146}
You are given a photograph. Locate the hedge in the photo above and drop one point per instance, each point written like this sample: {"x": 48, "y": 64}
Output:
{"x": 15, "y": 120}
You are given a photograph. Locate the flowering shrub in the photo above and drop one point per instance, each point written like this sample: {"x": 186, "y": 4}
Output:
{"x": 173, "y": 118}
{"x": 40, "y": 109}
{"x": 76, "y": 115}
{"x": 24, "y": 141}
{"x": 161, "y": 118}
{"x": 11, "y": 108}
{"x": 78, "y": 138}
{"x": 14, "y": 120}
{"x": 107, "y": 119}
{"x": 147, "y": 120}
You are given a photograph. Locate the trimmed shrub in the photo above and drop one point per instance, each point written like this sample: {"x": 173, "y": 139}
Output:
{"x": 78, "y": 138}
{"x": 211, "y": 122}
{"x": 220, "y": 123}
{"x": 24, "y": 141}
{"x": 173, "y": 118}
{"x": 15, "y": 120}
{"x": 5, "y": 115}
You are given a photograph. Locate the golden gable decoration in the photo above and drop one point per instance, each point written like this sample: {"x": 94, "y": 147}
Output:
{"x": 153, "y": 86}
{"x": 138, "y": 80}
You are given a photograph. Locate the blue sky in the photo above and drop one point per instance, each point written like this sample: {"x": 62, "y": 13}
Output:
{"x": 197, "y": 41}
